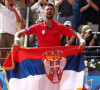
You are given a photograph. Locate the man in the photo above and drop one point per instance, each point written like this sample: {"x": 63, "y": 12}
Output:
{"x": 9, "y": 18}
{"x": 65, "y": 11}
{"x": 48, "y": 32}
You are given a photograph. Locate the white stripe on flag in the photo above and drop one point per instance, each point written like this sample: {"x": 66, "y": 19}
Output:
{"x": 70, "y": 81}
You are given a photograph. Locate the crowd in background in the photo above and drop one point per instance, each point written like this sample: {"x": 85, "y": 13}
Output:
{"x": 81, "y": 15}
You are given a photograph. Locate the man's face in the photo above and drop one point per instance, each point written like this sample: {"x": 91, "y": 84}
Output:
{"x": 8, "y": 2}
{"x": 49, "y": 12}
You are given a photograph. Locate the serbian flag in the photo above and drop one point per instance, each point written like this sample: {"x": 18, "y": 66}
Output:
{"x": 48, "y": 68}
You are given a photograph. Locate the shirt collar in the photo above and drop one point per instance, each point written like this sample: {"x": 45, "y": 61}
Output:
{"x": 53, "y": 24}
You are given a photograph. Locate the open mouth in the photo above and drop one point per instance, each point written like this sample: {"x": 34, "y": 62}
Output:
{"x": 49, "y": 14}
{"x": 11, "y": 4}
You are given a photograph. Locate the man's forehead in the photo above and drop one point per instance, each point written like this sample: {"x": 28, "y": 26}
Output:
{"x": 46, "y": 7}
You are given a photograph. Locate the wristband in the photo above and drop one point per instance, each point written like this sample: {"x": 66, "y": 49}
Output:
{"x": 82, "y": 40}
{"x": 17, "y": 39}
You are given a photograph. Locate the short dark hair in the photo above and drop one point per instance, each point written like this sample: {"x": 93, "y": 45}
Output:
{"x": 51, "y": 4}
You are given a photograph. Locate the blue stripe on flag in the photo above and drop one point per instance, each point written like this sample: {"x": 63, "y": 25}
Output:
{"x": 26, "y": 68}
{"x": 35, "y": 67}
{"x": 75, "y": 63}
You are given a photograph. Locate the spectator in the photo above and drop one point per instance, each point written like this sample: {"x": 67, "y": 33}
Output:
{"x": 65, "y": 11}
{"x": 90, "y": 13}
{"x": 9, "y": 17}
{"x": 39, "y": 8}
{"x": 65, "y": 39}
{"x": 69, "y": 41}
{"x": 49, "y": 32}
{"x": 91, "y": 40}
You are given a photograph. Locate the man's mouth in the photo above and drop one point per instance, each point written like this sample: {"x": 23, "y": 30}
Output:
{"x": 49, "y": 14}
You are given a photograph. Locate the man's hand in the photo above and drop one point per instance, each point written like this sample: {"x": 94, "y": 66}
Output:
{"x": 89, "y": 2}
{"x": 95, "y": 37}
{"x": 31, "y": 38}
{"x": 58, "y": 2}
{"x": 16, "y": 44}
{"x": 40, "y": 1}
{"x": 45, "y": 1}
{"x": 87, "y": 35}
{"x": 80, "y": 38}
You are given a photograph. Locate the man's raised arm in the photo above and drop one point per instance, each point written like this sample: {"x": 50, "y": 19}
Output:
{"x": 16, "y": 44}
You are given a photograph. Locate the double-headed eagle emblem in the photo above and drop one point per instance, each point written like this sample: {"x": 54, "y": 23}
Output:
{"x": 54, "y": 64}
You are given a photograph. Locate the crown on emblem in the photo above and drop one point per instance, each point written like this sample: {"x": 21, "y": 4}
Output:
{"x": 53, "y": 54}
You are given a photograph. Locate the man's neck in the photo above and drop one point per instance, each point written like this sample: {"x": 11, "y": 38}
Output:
{"x": 49, "y": 22}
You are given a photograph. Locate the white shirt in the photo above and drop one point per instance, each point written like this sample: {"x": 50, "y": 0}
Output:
{"x": 8, "y": 22}
{"x": 39, "y": 10}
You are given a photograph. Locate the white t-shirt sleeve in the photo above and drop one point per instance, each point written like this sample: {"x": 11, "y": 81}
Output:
{"x": 35, "y": 6}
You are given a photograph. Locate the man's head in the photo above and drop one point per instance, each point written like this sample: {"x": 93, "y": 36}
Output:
{"x": 49, "y": 11}
{"x": 9, "y": 3}
{"x": 86, "y": 29}
{"x": 68, "y": 24}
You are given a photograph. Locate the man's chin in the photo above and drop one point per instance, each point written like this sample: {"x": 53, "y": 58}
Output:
{"x": 49, "y": 17}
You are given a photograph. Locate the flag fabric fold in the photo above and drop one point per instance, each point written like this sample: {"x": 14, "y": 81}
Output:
{"x": 49, "y": 68}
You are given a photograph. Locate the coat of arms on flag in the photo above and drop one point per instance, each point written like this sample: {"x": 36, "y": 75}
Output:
{"x": 48, "y": 68}
{"x": 54, "y": 65}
